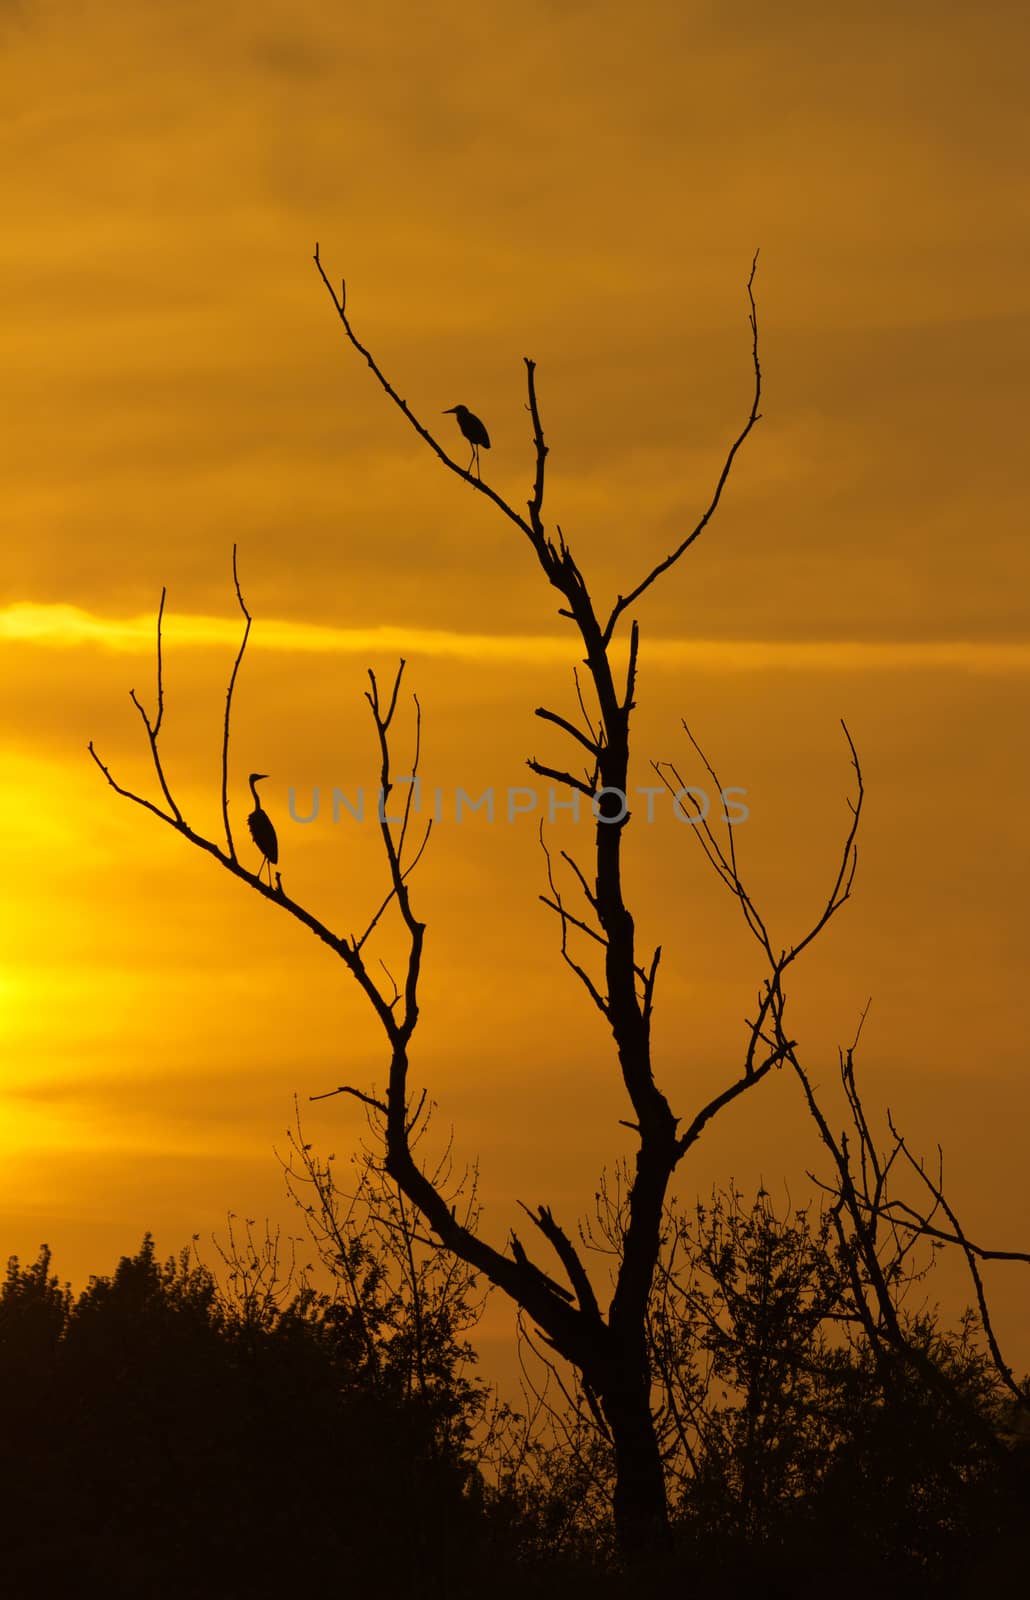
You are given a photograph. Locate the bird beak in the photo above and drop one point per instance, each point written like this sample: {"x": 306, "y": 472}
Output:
{"x": 450, "y": 411}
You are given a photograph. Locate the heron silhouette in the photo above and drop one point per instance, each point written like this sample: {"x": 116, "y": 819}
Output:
{"x": 474, "y": 432}
{"x": 261, "y": 830}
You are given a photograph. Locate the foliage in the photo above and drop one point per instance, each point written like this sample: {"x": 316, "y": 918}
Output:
{"x": 167, "y": 1432}
{"x": 193, "y": 1449}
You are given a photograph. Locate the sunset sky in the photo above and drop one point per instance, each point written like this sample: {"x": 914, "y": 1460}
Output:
{"x": 585, "y": 185}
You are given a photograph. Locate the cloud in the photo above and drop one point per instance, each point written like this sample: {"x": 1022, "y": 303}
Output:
{"x": 66, "y": 627}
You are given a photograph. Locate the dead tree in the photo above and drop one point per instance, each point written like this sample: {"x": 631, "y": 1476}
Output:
{"x": 877, "y": 1227}
{"x": 606, "y": 1345}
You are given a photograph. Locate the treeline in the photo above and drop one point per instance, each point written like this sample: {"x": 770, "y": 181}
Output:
{"x": 158, "y": 1440}
{"x": 170, "y": 1432}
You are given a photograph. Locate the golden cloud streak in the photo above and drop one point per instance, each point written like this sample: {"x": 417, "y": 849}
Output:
{"x": 65, "y": 626}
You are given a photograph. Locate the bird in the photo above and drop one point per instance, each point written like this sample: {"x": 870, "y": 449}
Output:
{"x": 474, "y": 432}
{"x": 261, "y": 830}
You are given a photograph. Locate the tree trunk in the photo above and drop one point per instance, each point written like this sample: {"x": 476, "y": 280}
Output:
{"x": 639, "y": 1503}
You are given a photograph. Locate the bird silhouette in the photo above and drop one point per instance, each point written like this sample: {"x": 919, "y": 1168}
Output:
{"x": 474, "y": 432}
{"x": 261, "y": 830}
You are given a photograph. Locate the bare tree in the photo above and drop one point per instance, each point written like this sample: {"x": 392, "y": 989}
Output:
{"x": 607, "y": 1346}
{"x": 878, "y": 1226}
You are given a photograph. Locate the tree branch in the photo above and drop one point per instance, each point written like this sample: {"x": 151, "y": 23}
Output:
{"x": 340, "y": 303}
{"x": 230, "y": 846}
{"x": 754, "y": 415}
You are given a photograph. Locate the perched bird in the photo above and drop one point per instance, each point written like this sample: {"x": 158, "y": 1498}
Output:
{"x": 261, "y": 829}
{"x": 474, "y": 432}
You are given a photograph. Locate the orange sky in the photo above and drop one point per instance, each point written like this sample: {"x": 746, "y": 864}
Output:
{"x": 586, "y": 185}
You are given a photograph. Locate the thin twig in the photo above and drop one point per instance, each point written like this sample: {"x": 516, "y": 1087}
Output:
{"x": 754, "y": 415}
{"x": 230, "y": 846}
